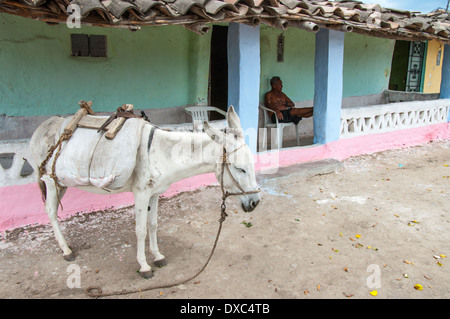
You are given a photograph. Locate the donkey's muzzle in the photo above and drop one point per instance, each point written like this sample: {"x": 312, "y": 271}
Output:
{"x": 250, "y": 205}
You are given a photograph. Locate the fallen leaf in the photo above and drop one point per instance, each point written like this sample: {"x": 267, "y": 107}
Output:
{"x": 439, "y": 264}
{"x": 358, "y": 236}
{"x": 335, "y": 250}
{"x": 318, "y": 287}
{"x": 340, "y": 234}
{"x": 443, "y": 256}
{"x": 306, "y": 292}
{"x": 407, "y": 262}
{"x": 405, "y": 275}
{"x": 418, "y": 287}
{"x": 396, "y": 215}
{"x": 413, "y": 222}
{"x": 348, "y": 295}
{"x": 374, "y": 292}
{"x": 248, "y": 225}
{"x": 428, "y": 278}
{"x": 345, "y": 269}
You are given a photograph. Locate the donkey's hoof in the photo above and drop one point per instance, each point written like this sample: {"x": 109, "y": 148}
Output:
{"x": 70, "y": 257}
{"x": 160, "y": 263}
{"x": 146, "y": 274}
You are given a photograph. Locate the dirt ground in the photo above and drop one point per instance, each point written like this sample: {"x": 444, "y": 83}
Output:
{"x": 376, "y": 228}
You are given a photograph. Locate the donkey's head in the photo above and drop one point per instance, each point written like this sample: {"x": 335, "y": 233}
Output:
{"x": 235, "y": 168}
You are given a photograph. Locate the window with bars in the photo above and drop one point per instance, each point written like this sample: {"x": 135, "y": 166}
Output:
{"x": 415, "y": 66}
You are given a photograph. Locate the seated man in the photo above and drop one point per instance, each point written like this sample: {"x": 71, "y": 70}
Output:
{"x": 284, "y": 109}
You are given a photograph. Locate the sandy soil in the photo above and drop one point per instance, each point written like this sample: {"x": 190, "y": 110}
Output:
{"x": 381, "y": 223}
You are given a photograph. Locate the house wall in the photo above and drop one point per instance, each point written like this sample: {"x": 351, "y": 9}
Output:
{"x": 156, "y": 68}
{"x": 366, "y": 70}
{"x": 433, "y": 67}
{"x": 153, "y": 68}
{"x": 297, "y": 70}
{"x": 367, "y": 64}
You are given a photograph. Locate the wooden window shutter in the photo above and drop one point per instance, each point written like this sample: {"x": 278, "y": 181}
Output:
{"x": 80, "y": 44}
{"x": 97, "y": 45}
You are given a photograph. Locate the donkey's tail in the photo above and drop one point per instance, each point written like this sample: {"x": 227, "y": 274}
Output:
{"x": 42, "y": 186}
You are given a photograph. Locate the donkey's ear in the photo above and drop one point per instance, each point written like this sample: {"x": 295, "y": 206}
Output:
{"x": 215, "y": 134}
{"x": 233, "y": 118}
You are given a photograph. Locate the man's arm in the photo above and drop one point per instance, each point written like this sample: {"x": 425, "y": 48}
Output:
{"x": 289, "y": 103}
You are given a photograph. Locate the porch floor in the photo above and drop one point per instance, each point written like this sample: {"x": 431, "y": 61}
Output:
{"x": 304, "y": 141}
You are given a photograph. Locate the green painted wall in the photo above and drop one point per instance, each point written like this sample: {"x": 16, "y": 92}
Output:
{"x": 155, "y": 67}
{"x": 158, "y": 67}
{"x": 297, "y": 70}
{"x": 367, "y": 63}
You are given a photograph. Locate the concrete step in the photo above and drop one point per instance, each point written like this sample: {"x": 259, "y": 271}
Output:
{"x": 309, "y": 169}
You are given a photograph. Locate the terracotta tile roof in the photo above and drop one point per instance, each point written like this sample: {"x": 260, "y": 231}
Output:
{"x": 370, "y": 19}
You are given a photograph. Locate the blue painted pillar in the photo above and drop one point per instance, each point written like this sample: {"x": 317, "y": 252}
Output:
{"x": 328, "y": 68}
{"x": 445, "y": 81}
{"x": 243, "y": 77}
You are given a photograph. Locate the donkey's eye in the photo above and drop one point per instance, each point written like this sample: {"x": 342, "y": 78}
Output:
{"x": 241, "y": 170}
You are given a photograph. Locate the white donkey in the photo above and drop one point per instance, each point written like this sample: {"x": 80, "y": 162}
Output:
{"x": 145, "y": 160}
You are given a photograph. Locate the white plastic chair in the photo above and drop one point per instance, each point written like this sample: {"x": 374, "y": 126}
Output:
{"x": 279, "y": 126}
{"x": 200, "y": 114}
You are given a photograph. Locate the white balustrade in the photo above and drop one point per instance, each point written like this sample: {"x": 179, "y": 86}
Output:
{"x": 12, "y": 175}
{"x": 382, "y": 118}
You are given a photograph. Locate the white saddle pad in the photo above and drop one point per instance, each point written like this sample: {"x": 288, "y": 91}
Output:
{"x": 88, "y": 158}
